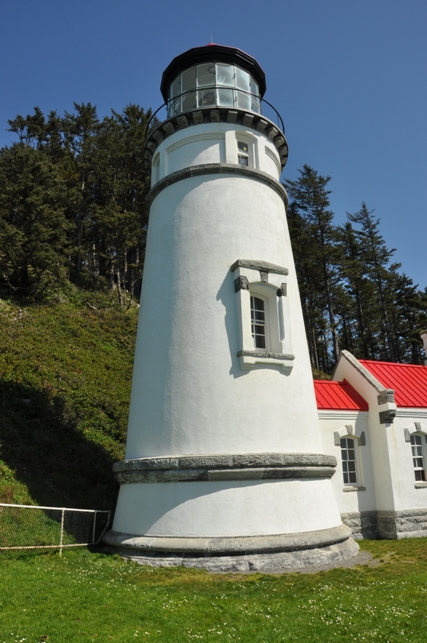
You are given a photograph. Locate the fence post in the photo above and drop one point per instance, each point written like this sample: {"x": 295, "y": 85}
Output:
{"x": 61, "y": 541}
{"x": 94, "y": 526}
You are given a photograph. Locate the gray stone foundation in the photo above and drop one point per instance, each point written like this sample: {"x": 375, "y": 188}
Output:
{"x": 268, "y": 563}
{"x": 409, "y": 523}
{"x": 269, "y": 554}
{"x": 363, "y": 524}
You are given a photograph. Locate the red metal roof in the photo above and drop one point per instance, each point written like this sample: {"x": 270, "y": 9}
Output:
{"x": 408, "y": 381}
{"x": 338, "y": 396}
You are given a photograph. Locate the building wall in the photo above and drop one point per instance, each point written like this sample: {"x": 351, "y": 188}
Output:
{"x": 356, "y": 503}
{"x": 392, "y": 502}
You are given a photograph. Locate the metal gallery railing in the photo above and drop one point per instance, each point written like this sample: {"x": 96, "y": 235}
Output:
{"x": 157, "y": 117}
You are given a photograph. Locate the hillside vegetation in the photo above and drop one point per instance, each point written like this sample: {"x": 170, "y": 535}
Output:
{"x": 65, "y": 377}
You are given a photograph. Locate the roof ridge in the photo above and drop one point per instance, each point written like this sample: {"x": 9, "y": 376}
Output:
{"x": 377, "y": 361}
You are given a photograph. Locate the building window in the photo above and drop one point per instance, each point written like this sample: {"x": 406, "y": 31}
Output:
{"x": 262, "y": 306}
{"x": 418, "y": 456}
{"x": 258, "y": 322}
{"x": 348, "y": 457}
{"x": 155, "y": 175}
{"x": 243, "y": 153}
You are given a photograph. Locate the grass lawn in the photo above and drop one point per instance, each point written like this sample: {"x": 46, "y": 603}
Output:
{"x": 86, "y": 596}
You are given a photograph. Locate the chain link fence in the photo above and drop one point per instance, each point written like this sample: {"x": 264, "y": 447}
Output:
{"x": 33, "y": 527}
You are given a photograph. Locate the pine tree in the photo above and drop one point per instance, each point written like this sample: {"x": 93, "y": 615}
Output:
{"x": 376, "y": 258}
{"x": 80, "y": 130}
{"x": 33, "y": 227}
{"x": 310, "y": 210}
{"x": 361, "y": 292}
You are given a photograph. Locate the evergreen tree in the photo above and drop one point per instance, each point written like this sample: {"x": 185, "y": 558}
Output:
{"x": 121, "y": 190}
{"x": 361, "y": 293}
{"x": 102, "y": 165}
{"x": 376, "y": 259}
{"x": 311, "y": 214}
{"x": 408, "y": 317}
{"x": 33, "y": 227}
{"x": 80, "y": 130}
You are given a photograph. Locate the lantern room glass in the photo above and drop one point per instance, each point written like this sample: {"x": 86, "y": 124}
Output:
{"x": 213, "y": 85}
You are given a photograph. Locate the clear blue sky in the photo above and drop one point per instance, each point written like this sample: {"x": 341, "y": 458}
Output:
{"x": 349, "y": 79}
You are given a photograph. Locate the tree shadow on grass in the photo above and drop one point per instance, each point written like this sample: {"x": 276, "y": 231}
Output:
{"x": 40, "y": 442}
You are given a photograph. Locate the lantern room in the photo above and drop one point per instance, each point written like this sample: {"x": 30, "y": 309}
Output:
{"x": 213, "y": 76}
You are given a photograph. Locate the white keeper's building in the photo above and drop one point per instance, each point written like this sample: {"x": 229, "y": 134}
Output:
{"x": 373, "y": 418}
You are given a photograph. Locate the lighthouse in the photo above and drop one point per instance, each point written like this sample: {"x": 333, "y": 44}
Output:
{"x": 224, "y": 466}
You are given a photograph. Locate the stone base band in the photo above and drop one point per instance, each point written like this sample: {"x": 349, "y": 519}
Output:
{"x": 261, "y": 466}
{"x": 267, "y": 563}
{"x": 229, "y": 545}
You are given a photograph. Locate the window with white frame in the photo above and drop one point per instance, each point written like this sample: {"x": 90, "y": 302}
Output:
{"x": 155, "y": 175}
{"x": 349, "y": 460}
{"x": 246, "y": 150}
{"x": 243, "y": 153}
{"x": 418, "y": 447}
{"x": 258, "y": 322}
{"x": 262, "y": 314}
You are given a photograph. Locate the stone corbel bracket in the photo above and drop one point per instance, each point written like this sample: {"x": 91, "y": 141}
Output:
{"x": 386, "y": 406}
{"x": 197, "y": 468}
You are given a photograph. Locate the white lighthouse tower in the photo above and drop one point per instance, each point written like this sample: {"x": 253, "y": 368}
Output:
{"x": 224, "y": 466}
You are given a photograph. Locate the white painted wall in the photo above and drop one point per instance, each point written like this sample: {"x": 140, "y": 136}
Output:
{"x": 214, "y": 143}
{"x": 232, "y": 508}
{"x": 407, "y": 493}
{"x": 363, "y": 497}
{"x": 369, "y": 388}
{"x": 392, "y": 467}
{"x": 189, "y": 392}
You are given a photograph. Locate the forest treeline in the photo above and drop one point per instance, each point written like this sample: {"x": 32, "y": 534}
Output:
{"x": 353, "y": 295}
{"x": 72, "y": 201}
{"x": 73, "y": 211}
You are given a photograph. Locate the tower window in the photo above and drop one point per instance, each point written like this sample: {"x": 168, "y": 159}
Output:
{"x": 348, "y": 456}
{"x": 243, "y": 153}
{"x": 258, "y": 325}
{"x": 262, "y": 314}
{"x": 418, "y": 457}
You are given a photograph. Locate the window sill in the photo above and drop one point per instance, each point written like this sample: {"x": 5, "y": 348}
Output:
{"x": 420, "y": 485}
{"x": 350, "y": 488}
{"x": 248, "y": 359}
